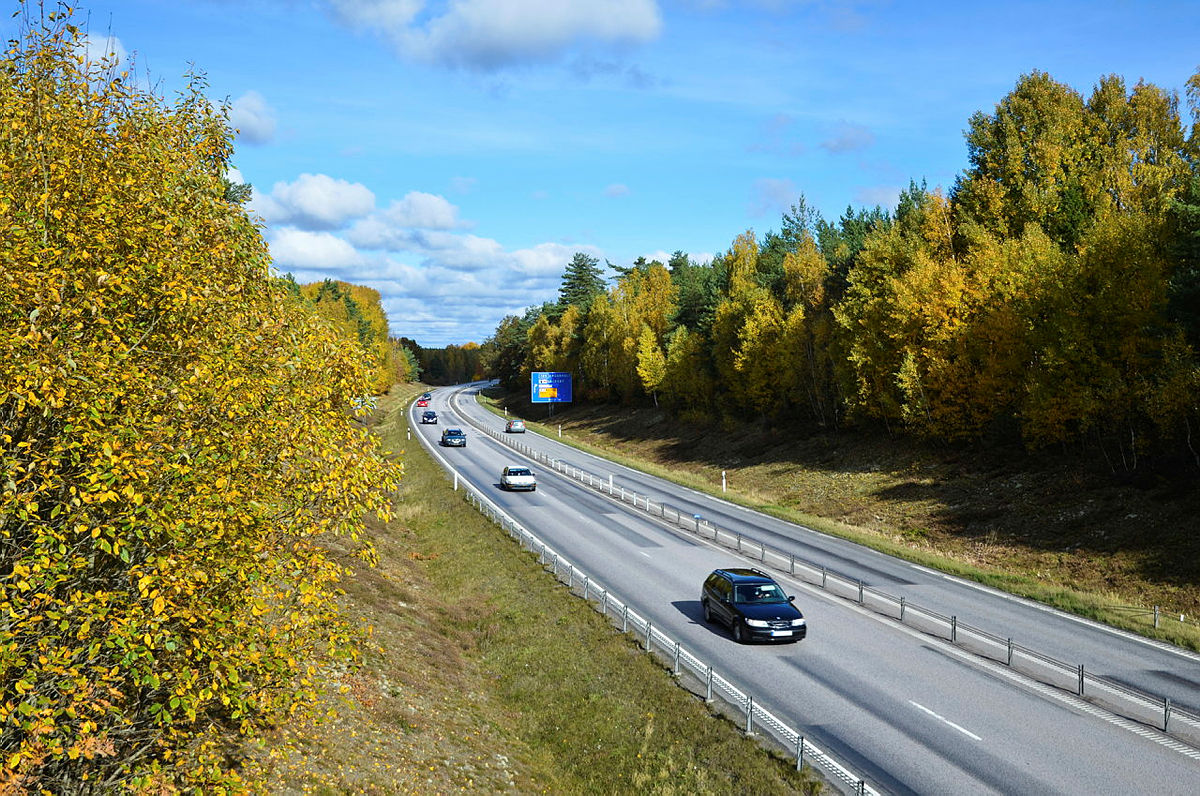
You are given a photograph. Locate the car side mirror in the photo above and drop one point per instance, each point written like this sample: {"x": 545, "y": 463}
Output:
{"x": 791, "y": 598}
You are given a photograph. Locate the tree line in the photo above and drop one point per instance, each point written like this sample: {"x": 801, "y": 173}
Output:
{"x": 1051, "y": 295}
{"x": 357, "y": 312}
{"x": 178, "y": 447}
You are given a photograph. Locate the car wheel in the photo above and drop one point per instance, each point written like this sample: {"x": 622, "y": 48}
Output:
{"x": 707, "y": 612}
{"x": 739, "y": 635}
{"x": 533, "y": 489}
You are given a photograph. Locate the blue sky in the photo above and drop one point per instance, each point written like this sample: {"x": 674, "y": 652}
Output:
{"x": 454, "y": 154}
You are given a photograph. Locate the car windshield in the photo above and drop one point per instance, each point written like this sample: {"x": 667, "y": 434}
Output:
{"x": 760, "y": 593}
{"x": 454, "y": 432}
{"x": 518, "y": 471}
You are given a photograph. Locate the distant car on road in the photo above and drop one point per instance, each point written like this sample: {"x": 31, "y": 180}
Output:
{"x": 454, "y": 438}
{"x": 429, "y": 416}
{"x": 427, "y": 396}
{"x": 423, "y": 402}
{"x": 513, "y": 478}
{"x": 515, "y": 427}
{"x": 752, "y": 605}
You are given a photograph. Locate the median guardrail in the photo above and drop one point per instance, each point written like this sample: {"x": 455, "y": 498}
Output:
{"x": 758, "y": 719}
{"x": 1151, "y": 710}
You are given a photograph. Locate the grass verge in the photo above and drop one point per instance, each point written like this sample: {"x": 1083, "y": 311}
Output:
{"x": 482, "y": 675}
{"x": 1053, "y": 528}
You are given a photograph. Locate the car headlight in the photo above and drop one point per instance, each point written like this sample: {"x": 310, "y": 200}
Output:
{"x": 798, "y": 622}
{"x": 758, "y": 623}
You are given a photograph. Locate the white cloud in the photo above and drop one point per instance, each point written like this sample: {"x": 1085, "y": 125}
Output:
{"x": 298, "y": 249}
{"x": 777, "y": 137}
{"x": 423, "y": 211}
{"x": 848, "y": 138}
{"x": 886, "y": 196}
{"x": 616, "y": 189}
{"x": 314, "y": 202}
{"x": 491, "y": 34}
{"x": 253, "y": 118}
{"x": 548, "y": 259}
{"x": 102, "y": 50}
{"x": 772, "y": 196}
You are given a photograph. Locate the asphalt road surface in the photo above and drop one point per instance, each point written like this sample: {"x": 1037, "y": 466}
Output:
{"x": 908, "y": 712}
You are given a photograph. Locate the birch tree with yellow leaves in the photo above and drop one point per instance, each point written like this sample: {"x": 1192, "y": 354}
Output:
{"x": 176, "y": 445}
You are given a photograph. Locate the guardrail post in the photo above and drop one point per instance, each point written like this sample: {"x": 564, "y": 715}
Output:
{"x": 824, "y": 574}
{"x": 1010, "y": 652}
{"x": 901, "y": 609}
{"x": 799, "y": 752}
{"x": 749, "y": 715}
{"x": 610, "y": 484}
{"x": 696, "y": 517}
{"x": 1156, "y": 616}
{"x": 625, "y": 620}
{"x": 675, "y": 670}
{"x": 1166, "y": 712}
{"x": 708, "y": 687}
{"x": 953, "y": 629}
{"x": 862, "y": 787}
{"x": 860, "y": 592}
{"x": 663, "y": 507}
{"x": 456, "y": 482}
{"x": 793, "y": 566}
{"x": 739, "y": 543}
{"x": 586, "y": 583}
{"x": 571, "y": 577}
{"x": 556, "y": 565}
{"x": 1081, "y": 679}
{"x": 649, "y": 636}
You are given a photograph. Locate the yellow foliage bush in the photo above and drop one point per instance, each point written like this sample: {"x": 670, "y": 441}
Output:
{"x": 175, "y": 446}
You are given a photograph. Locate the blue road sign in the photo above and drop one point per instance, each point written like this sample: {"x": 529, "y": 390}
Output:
{"x": 548, "y": 387}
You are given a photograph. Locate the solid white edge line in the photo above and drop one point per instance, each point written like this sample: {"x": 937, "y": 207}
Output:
{"x": 847, "y": 775}
{"x": 1162, "y": 646}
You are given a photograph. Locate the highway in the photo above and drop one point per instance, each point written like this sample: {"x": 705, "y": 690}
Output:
{"x": 908, "y": 712}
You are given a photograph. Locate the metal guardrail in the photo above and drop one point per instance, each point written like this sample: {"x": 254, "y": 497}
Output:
{"x": 1151, "y": 710}
{"x": 655, "y": 641}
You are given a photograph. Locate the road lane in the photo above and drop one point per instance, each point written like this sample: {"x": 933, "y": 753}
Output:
{"x": 852, "y": 685}
{"x": 1151, "y": 666}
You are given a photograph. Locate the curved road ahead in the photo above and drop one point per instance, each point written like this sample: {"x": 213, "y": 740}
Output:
{"x": 909, "y": 712}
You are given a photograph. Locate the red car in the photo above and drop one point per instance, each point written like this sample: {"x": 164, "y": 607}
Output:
{"x": 422, "y": 402}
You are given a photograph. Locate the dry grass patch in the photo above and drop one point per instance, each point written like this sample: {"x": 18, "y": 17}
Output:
{"x": 481, "y": 674}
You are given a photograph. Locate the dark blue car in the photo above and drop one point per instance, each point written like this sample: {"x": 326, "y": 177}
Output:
{"x": 752, "y": 606}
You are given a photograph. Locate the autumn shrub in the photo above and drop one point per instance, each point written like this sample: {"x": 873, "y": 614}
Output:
{"x": 175, "y": 448}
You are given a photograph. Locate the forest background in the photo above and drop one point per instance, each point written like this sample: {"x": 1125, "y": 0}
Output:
{"x": 1051, "y": 296}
